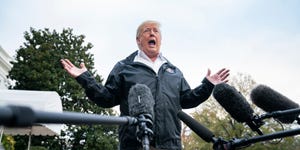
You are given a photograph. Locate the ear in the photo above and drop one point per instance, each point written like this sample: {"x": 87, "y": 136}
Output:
{"x": 138, "y": 41}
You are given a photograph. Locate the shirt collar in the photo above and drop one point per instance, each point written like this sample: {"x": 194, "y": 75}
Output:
{"x": 144, "y": 56}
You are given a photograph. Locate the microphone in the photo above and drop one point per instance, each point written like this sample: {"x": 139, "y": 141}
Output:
{"x": 236, "y": 105}
{"x": 203, "y": 132}
{"x": 17, "y": 116}
{"x": 141, "y": 105}
{"x": 220, "y": 144}
{"x": 140, "y": 100}
{"x": 198, "y": 128}
{"x": 270, "y": 100}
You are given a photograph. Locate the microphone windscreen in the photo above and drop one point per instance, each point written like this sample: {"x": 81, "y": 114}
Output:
{"x": 199, "y": 129}
{"x": 233, "y": 102}
{"x": 270, "y": 100}
{"x": 140, "y": 100}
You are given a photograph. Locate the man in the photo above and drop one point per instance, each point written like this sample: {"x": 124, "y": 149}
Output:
{"x": 168, "y": 86}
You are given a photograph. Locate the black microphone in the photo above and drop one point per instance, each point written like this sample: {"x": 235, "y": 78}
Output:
{"x": 203, "y": 132}
{"x": 270, "y": 100}
{"x": 140, "y": 100}
{"x": 198, "y": 128}
{"x": 17, "y": 116}
{"x": 141, "y": 105}
{"x": 236, "y": 105}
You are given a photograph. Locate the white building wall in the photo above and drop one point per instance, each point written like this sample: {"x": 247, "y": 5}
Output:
{"x": 5, "y": 67}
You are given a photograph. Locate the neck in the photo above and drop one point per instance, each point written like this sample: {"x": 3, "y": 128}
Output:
{"x": 153, "y": 58}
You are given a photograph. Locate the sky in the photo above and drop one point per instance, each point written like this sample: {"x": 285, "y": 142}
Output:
{"x": 260, "y": 38}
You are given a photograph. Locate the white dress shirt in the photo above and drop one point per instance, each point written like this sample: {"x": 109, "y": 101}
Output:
{"x": 143, "y": 58}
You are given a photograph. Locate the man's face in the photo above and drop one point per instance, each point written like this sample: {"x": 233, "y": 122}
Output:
{"x": 149, "y": 39}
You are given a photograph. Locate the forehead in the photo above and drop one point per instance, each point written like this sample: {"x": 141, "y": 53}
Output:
{"x": 150, "y": 25}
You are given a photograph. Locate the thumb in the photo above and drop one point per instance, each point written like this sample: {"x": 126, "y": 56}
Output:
{"x": 82, "y": 65}
{"x": 208, "y": 72}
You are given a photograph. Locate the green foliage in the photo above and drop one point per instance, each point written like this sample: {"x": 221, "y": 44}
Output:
{"x": 38, "y": 148}
{"x": 8, "y": 142}
{"x": 37, "y": 67}
{"x": 213, "y": 116}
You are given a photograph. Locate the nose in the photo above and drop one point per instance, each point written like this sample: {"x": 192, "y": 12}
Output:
{"x": 152, "y": 33}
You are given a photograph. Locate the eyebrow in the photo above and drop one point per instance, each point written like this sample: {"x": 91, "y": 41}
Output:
{"x": 154, "y": 28}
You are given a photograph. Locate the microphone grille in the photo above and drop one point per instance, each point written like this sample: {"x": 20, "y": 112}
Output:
{"x": 270, "y": 100}
{"x": 233, "y": 102}
{"x": 140, "y": 100}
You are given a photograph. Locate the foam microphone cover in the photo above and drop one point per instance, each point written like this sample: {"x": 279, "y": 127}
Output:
{"x": 199, "y": 129}
{"x": 270, "y": 100}
{"x": 233, "y": 102}
{"x": 140, "y": 100}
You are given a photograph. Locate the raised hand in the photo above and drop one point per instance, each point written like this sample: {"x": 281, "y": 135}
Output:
{"x": 220, "y": 77}
{"x": 72, "y": 69}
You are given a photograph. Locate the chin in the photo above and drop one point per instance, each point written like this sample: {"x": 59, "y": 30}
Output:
{"x": 154, "y": 50}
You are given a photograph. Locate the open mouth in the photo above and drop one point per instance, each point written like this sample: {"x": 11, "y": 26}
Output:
{"x": 152, "y": 42}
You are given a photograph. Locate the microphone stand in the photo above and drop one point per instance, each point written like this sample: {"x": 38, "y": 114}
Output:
{"x": 21, "y": 116}
{"x": 144, "y": 132}
{"x": 254, "y": 125}
{"x": 221, "y": 144}
{"x": 235, "y": 143}
{"x": 281, "y": 113}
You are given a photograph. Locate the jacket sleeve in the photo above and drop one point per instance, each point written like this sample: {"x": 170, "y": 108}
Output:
{"x": 192, "y": 98}
{"x": 104, "y": 96}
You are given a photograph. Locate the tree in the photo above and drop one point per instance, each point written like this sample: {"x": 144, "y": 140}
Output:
{"x": 37, "y": 67}
{"x": 8, "y": 142}
{"x": 213, "y": 116}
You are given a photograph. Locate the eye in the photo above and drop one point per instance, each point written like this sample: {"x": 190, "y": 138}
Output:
{"x": 147, "y": 30}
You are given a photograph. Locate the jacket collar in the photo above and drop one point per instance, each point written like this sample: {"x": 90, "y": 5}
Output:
{"x": 130, "y": 59}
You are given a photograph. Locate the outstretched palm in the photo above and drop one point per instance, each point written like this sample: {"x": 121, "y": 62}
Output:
{"x": 72, "y": 69}
{"x": 219, "y": 77}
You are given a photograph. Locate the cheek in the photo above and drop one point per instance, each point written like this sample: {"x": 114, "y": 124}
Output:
{"x": 140, "y": 42}
{"x": 144, "y": 43}
{"x": 158, "y": 43}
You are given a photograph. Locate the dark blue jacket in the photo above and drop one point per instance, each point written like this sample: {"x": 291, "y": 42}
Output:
{"x": 169, "y": 89}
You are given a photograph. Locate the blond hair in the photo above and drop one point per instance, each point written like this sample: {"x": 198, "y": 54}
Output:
{"x": 139, "y": 29}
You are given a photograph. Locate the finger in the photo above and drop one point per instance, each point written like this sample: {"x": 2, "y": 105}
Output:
{"x": 220, "y": 71}
{"x": 223, "y": 72}
{"x": 68, "y": 62}
{"x": 65, "y": 65}
{"x": 62, "y": 62}
{"x": 208, "y": 72}
{"x": 224, "y": 77}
